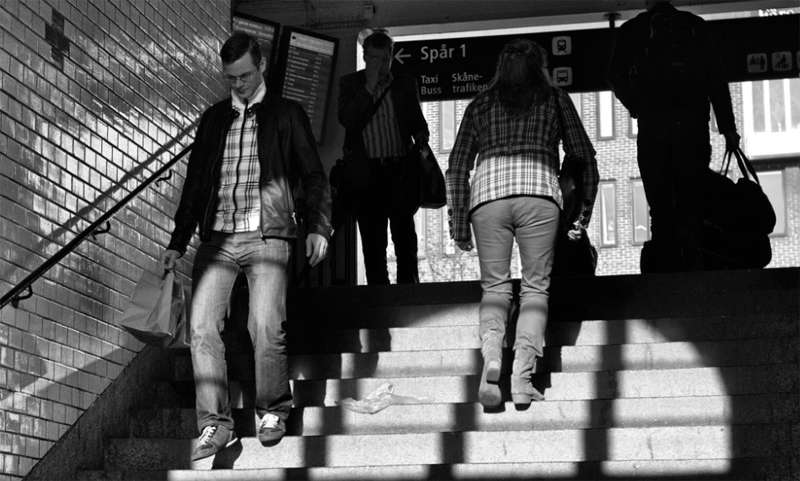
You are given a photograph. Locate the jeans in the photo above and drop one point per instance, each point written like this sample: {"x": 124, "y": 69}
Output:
{"x": 533, "y": 222}
{"x": 218, "y": 262}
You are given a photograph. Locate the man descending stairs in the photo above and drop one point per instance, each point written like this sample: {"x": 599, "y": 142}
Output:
{"x": 660, "y": 377}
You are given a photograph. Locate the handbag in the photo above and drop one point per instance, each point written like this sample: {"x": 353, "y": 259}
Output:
{"x": 433, "y": 192}
{"x": 157, "y": 313}
{"x": 579, "y": 256}
{"x": 737, "y": 218}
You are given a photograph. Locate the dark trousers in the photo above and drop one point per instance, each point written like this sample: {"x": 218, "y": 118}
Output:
{"x": 374, "y": 214}
{"x": 673, "y": 158}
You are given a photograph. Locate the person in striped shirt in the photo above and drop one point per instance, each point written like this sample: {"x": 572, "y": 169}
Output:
{"x": 384, "y": 124}
{"x": 509, "y": 136}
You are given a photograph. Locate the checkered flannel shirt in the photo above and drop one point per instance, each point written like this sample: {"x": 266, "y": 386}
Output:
{"x": 239, "y": 207}
{"x": 516, "y": 155}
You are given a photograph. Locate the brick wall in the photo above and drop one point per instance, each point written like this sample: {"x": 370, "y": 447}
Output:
{"x": 89, "y": 92}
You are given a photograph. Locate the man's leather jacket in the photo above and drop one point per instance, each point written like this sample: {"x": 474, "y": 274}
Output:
{"x": 291, "y": 173}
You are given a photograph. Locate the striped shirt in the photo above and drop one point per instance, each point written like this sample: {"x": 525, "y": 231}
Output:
{"x": 382, "y": 137}
{"x": 239, "y": 206}
{"x": 516, "y": 155}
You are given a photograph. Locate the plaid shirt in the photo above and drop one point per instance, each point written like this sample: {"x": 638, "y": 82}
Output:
{"x": 239, "y": 207}
{"x": 516, "y": 155}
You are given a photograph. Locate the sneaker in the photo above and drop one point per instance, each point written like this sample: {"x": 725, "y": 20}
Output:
{"x": 213, "y": 439}
{"x": 271, "y": 429}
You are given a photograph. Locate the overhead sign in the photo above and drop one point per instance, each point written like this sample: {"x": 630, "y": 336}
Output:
{"x": 455, "y": 68}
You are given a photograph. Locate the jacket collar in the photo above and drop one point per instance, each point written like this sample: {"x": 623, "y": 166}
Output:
{"x": 258, "y": 96}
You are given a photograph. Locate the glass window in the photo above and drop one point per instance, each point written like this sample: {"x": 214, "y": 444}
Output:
{"x": 633, "y": 127}
{"x": 608, "y": 214}
{"x": 772, "y": 183}
{"x": 448, "y": 246}
{"x": 421, "y": 225}
{"x": 605, "y": 115}
{"x": 576, "y": 101}
{"x": 448, "y": 124}
{"x": 771, "y": 117}
{"x": 641, "y": 213}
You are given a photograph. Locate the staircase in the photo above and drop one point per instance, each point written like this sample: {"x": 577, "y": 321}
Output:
{"x": 660, "y": 377}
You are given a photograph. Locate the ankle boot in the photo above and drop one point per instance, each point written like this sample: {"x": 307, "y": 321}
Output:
{"x": 489, "y": 391}
{"x": 522, "y": 390}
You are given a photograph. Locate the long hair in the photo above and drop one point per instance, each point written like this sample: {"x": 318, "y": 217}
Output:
{"x": 520, "y": 80}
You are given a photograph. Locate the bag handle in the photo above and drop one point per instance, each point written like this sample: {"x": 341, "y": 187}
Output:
{"x": 745, "y": 166}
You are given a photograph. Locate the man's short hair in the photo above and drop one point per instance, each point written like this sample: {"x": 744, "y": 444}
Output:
{"x": 237, "y": 45}
{"x": 379, "y": 40}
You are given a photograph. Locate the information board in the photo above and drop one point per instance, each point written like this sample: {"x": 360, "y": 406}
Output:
{"x": 754, "y": 48}
{"x": 265, "y": 31}
{"x": 307, "y": 61}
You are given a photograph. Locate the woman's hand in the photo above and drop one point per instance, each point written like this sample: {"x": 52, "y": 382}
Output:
{"x": 465, "y": 246}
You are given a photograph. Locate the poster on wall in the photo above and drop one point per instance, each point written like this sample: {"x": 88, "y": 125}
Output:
{"x": 307, "y": 61}
{"x": 265, "y": 31}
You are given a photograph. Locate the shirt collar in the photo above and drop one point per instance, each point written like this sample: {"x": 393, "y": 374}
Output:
{"x": 258, "y": 96}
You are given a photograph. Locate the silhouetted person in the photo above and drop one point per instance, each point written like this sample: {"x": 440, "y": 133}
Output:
{"x": 250, "y": 152}
{"x": 383, "y": 136}
{"x": 665, "y": 70}
{"x": 509, "y": 135}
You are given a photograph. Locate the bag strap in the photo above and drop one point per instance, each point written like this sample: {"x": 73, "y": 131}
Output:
{"x": 745, "y": 166}
{"x": 374, "y": 107}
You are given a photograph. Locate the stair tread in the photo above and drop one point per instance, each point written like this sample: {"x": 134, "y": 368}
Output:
{"x": 667, "y": 355}
{"x": 545, "y": 415}
{"x": 679, "y": 382}
{"x": 766, "y": 468}
{"x": 607, "y": 444}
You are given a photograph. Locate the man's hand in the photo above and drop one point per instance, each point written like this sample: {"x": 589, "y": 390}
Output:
{"x": 169, "y": 258}
{"x": 731, "y": 141}
{"x": 377, "y": 81}
{"x": 316, "y": 248}
{"x": 465, "y": 246}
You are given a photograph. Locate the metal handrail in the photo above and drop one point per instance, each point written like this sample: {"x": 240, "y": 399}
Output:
{"x": 23, "y": 289}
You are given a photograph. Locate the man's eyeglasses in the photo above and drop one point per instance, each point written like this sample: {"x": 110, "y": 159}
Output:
{"x": 245, "y": 77}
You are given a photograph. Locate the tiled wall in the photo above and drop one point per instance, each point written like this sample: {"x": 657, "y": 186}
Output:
{"x": 89, "y": 93}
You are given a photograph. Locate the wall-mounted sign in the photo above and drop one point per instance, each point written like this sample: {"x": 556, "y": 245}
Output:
{"x": 752, "y": 48}
{"x": 265, "y": 31}
{"x": 307, "y": 60}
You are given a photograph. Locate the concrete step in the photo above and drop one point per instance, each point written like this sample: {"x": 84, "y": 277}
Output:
{"x": 556, "y": 359}
{"x": 606, "y": 297}
{"x": 615, "y": 444}
{"x": 548, "y": 415}
{"x": 700, "y": 381}
{"x": 590, "y": 332}
{"x": 739, "y": 469}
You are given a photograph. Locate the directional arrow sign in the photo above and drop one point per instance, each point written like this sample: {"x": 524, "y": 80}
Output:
{"x": 399, "y": 55}
{"x": 459, "y": 68}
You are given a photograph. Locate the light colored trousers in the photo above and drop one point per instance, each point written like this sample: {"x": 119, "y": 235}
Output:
{"x": 533, "y": 222}
{"x": 218, "y": 261}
